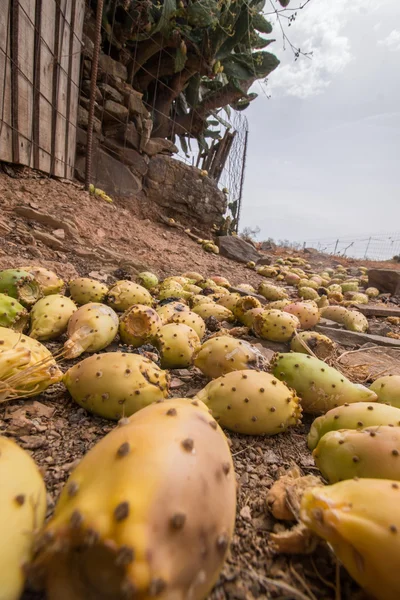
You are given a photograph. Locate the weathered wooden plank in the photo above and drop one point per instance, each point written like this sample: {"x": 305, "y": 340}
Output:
{"x": 26, "y": 45}
{"x": 352, "y": 338}
{"x": 46, "y": 84}
{"x": 36, "y": 84}
{"x": 375, "y": 310}
{"x": 5, "y": 84}
{"x": 61, "y": 127}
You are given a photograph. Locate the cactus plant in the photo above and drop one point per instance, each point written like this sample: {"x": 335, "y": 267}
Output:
{"x": 12, "y": 313}
{"x": 139, "y": 325}
{"x": 213, "y": 310}
{"x": 223, "y": 354}
{"x": 50, "y": 316}
{"x": 275, "y": 325}
{"x": 272, "y": 292}
{"x": 23, "y": 509}
{"x": 320, "y": 345}
{"x": 166, "y": 484}
{"x": 84, "y": 290}
{"x": 387, "y": 389}
{"x": 251, "y": 402}
{"x": 177, "y": 344}
{"x": 115, "y": 384}
{"x": 91, "y": 328}
{"x": 20, "y": 285}
{"x": 147, "y": 280}
{"x": 125, "y": 293}
{"x": 48, "y": 281}
{"x": 360, "y": 519}
{"x": 306, "y": 312}
{"x": 320, "y": 386}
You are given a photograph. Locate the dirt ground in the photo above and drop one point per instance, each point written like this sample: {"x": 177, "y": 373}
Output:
{"x": 110, "y": 241}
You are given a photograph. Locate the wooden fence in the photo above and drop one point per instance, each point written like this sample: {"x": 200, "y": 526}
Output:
{"x": 40, "y": 54}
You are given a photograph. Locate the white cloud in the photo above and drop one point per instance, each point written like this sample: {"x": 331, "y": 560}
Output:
{"x": 392, "y": 41}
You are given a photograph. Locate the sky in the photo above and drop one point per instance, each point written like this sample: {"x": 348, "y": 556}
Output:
{"x": 324, "y": 134}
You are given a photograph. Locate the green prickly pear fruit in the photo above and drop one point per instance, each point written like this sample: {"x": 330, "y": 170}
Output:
{"x": 223, "y": 354}
{"x": 352, "y": 416}
{"x": 319, "y": 386}
{"x": 320, "y": 345}
{"x": 147, "y": 280}
{"x": 229, "y": 300}
{"x": 335, "y": 287}
{"x": 91, "y": 328}
{"x": 334, "y": 313}
{"x": 355, "y": 321}
{"x": 139, "y": 325}
{"x": 275, "y": 325}
{"x": 177, "y": 344}
{"x": 84, "y": 290}
{"x": 373, "y": 452}
{"x": 50, "y": 316}
{"x": 172, "y": 308}
{"x": 126, "y": 293}
{"x": 357, "y": 298}
{"x": 115, "y": 384}
{"x": 191, "y": 319}
{"x": 267, "y": 271}
{"x": 22, "y": 511}
{"x": 278, "y": 304}
{"x": 387, "y": 389}
{"x": 12, "y": 313}
{"x": 292, "y": 278}
{"x": 213, "y": 310}
{"x": 20, "y": 285}
{"x": 360, "y": 519}
{"x": 135, "y": 504}
{"x": 251, "y": 402}
{"x": 48, "y": 281}
{"x": 244, "y": 304}
{"x": 308, "y": 283}
{"x": 272, "y": 292}
{"x": 306, "y": 312}
{"x": 372, "y": 292}
{"x": 349, "y": 286}
{"x": 249, "y": 316}
{"x": 308, "y": 293}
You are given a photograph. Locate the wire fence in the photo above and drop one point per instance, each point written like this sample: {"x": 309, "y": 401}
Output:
{"x": 382, "y": 246}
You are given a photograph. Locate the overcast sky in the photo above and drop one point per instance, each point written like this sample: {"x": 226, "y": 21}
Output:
{"x": 324, "y": 150}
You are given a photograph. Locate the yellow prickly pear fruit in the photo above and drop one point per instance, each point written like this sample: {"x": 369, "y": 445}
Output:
{"x": 200, "y": 299}
{"x": 306, "y": 312}
{"x": 84, "y": 290}
{"x": 308, "y": 283}
{"x": 387, "y": 389}
{"x": 335, "y": 287}
{"x": 244, "y": 304}
{"x": 12, "y": 313}
{"x": 372, "y": 292}
{"x": 278, "y": 304}
{"x": 210, "y": 247}
{"x": 334, "y": 313}
{"x": 229, "y": 300}
{"x": 177, "y": 292}
{"x": 191, "y": 319}
{"x": 360, "y": 519}
{"x": 308, "y": 293}
{"x": 335, "y": 297}
{"x": 267, "y": 271}
{"x": 355, "y": 321}
{"x": 272, "y": 292}
{"x": 292, "y": 278}
{"x": 193, "y": 275}
{"x": 91, "y": 328}
{"x": 250, "y": 315}
{"x": 125, "y": 293}
{"x": 251, "y": 402}
{"x": 319, "y": 344}
{"x": 223, "y": 354}
{"x": 23, "y": 509}
{"x": 352, "y": 416}
{"x": 357, "y": 297}
{"x": 138, "y": 325}
{"x": 246, "y": 287}
{"x": 50, "y": 316}
{"x": 116, "y": 384}
{"x": 221, "y": 281}
{"x": 250, "y": 265}
{"x": 320, "y": 386}
{"x": 322, "y": 302}
{"x": 220, "y": 291}
{"x": 20, "y": 285}
{"x": 217, "y": 311}
{"x": 192, "y": 288}
{"x": 179, "y": 279}
{"x": 147, "y": 280}
{"x": 275, "y": 325}
{"x": 177, "y": 344}
{"x": 48, "y": 281}
{"x": 168, "y": 310}
{"x": 349, "y": 286}
{"x": 160, "y": 484}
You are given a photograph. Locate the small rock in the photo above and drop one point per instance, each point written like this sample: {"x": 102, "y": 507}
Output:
{"x": 37, "y": 409}
{"x": 237, "y": 249}
{"x": 110, "y": 93}
{"x": 112, "y": 67}
{"x": 32, "y": 442}
{"x": 245, "y": 513}
{"x": 176, "y": 383}
{"x": 59, "y": 233}
{"x": 114, "y": 111}
{"x": 270, "y": 457}
{"x": 99, "y": 276}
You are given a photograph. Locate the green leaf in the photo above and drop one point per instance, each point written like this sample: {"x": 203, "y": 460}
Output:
{"x": 180, "y": 58}
{"x": 215, "y": 135}
{"x": 261, "y": 24}
{"x": 202, "y": 142}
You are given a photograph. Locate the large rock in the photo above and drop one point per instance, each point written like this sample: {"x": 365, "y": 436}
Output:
{"x": 83, "y": 119}
{"x": 184, "y": 192}
{"x": 110, "y": 175}
{"x": 128, "y": 156}
{"x": 160, "y": 146}
{"x": 110, "y": 93}
{"x": 386, "y": 280}
{"x": 111, "y": 67}
{"x": 115, "y": 112}
{"x": 237, "y": 249}
{"x": 126, "y": 134}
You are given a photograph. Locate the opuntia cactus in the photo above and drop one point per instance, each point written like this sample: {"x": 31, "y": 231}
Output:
{"x": 360, "y": 518}
{"x": 319, "y": 344}
{"x": 125, "y": 293}
{"x": 306, "y": 312}
{"x": 139, "y": 325}
{"x": 116, "y": 384}
{"x": 48, "y": 281}
{"x": 147, "y": 280}
{"x": 387, "y": 389}
{"x": 177, "y": 344}
{"x": 20, "y": 285}
{"x": 355, "y": 321}
{"x": 22, "y": 511}
{"x": 91, "y": 328}
{"x": 251, "y": 402}
{"x": 275, "y": 325}
{"x": 272, "y": 292}
{"x": 50, "y": 316}
{"x": 244, "y": 304}
{"x": 84, "y": 290}
{"x": 12, "y": 313}
{"x": 319, "y": 386}
{"x": 213, "y": 310}
{"x": 140, "y": 496}
{"x": 308, "y": 293}
{"x": 358, "y": 415}
{"x": 223, "y": 354}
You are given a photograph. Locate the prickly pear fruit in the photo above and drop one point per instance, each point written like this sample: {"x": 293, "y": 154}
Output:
{"x": 12, "y": 313}
{"x": 349, "y": 286}
{"x": 48, "y": 281}
{"x": 251, "y": 402}
{"x": 360, "y": 519}
{"x": 138, "y": 325}
{"x": 309, "y": 283}
{"x": 275, "y": 325}
{"x": 147, "y": 280}
{"x": 249, "y": 316}
{"x": 229, "y": 300}
{"x": 319, "y": 386}
{"x": 355, "y": 321}
{"x": 175, "y": 291}
{"x": 278, "y": 304}
{"x": 193, "y": 289}
{"x": 170, "y": 309}
{"x": 26, "y": 366}
{"x": 246, "y": 287}
{"x": 191, "y": 319}
{"x": 193, "y": 275}
{"x": 20, "y": 285}
{"x": 357, "y": 298}
{"x": 272, "y": 292}
{"x": 334, "y": 313}
{"x": 322, "y": 302}
{"x": 114, "y": 384}
{"x": 199, "y": 299}
{"x": 244, "y": 304}
{"x": 267, "y": 271}
{"x": 306, "y": 312}
{"x": 23, "y": 509}
{"x": 84, "y": 290}
{"x": 213, "y": 310}
{"x": 308, "y": 293}
{"x": 220, "y": 281}
{"x": 50, "y": 316}
{"x": 223, "y": 354}
{"x": 292, "y": 278}
{"x": 347, "y": 453}
{"x": 387, "y": 389}
{"x": 177, "y": 344}
{"x": 125, "y": 293}
{"x": 147, "y": 492}
{"x": 319, "y": 344}
{"x": 91, "y": 328}
{"x": 372, "y": 292}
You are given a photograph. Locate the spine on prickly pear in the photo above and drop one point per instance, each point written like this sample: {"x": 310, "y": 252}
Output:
{"x": 12, "y": 313}
{"x": 50, "y": 317}
{"x": 145, "y": 518}
{"x": 91, "y": 328}
{"x": 20, "y": 285}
